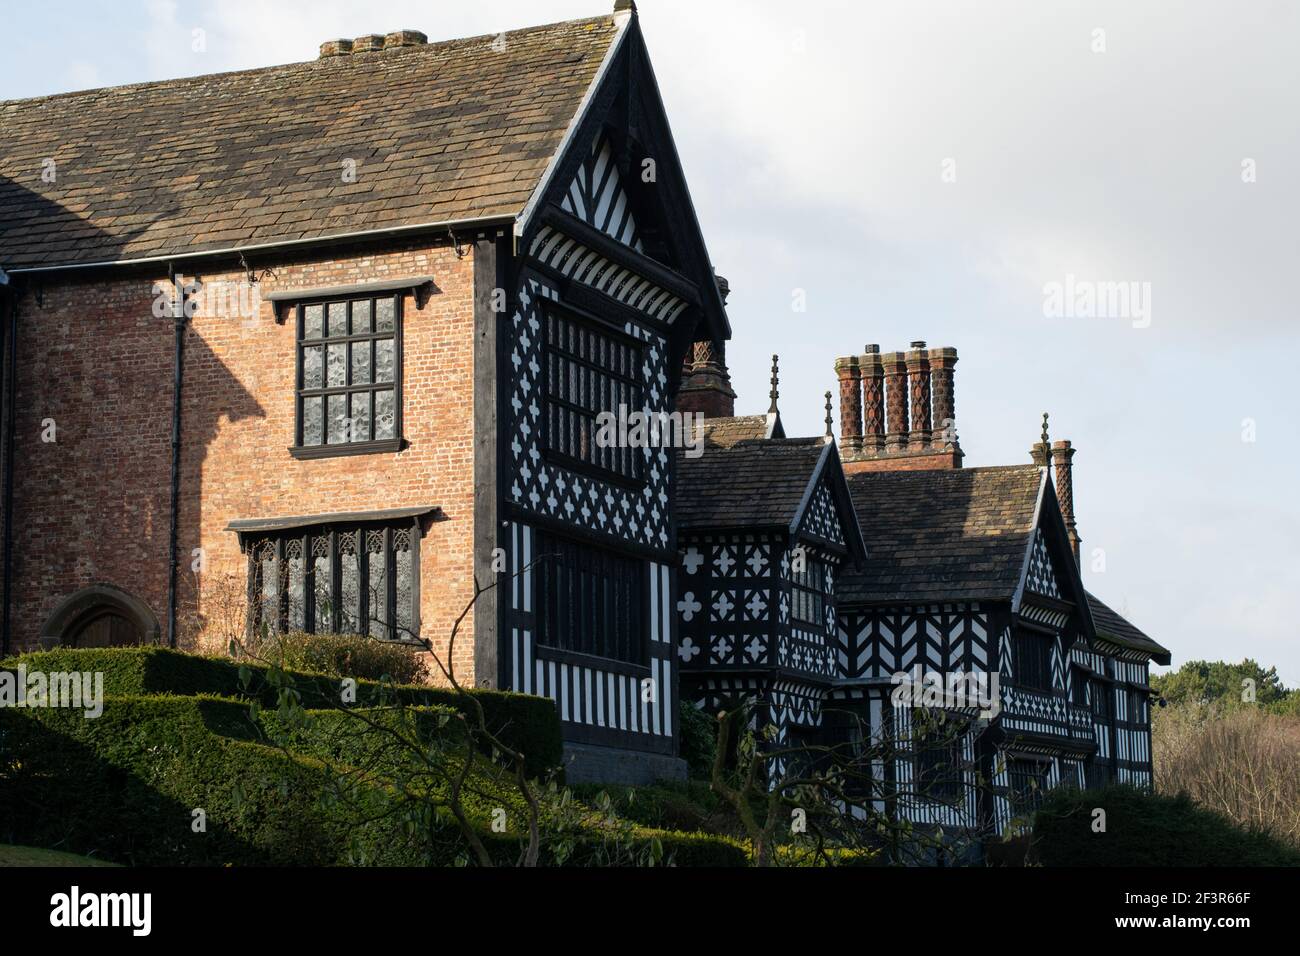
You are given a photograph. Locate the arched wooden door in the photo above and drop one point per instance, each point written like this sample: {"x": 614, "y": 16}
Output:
{"x": 100, "y": 616}
{"x": 105, "y": 629}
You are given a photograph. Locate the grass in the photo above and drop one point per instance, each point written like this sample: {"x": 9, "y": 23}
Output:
{"x": 30, "y": 856}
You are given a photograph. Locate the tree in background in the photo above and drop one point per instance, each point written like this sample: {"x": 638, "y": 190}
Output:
{"x": 1219, "y": 683}
{"x": 1230, "y": 739}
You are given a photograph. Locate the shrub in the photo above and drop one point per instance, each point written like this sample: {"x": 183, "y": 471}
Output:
{"x": 125, "y": 786}
{"x": 689, "y": 806}
{"x": 1145, "y": 829}
{"x": 526, "y": 723}
{"x": 343, "y": 655}
{"x": 1243, "y": 762}
{"x": 699, "y": 739}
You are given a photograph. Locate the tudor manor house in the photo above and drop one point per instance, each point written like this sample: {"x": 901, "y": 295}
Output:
{"x": 456, "y": 265}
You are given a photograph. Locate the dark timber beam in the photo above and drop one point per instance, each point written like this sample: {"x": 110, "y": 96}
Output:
{"x": 616, "y": 252}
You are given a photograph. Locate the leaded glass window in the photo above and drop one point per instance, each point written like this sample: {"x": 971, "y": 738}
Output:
{"x": 357, "y": 579}
{"x": 349, "y": 375}
{"x": 808, "y": 595}
{"x": 591, "y": 370}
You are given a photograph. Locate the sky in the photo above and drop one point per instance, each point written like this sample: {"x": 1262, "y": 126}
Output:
{"x": 966, "y": 174}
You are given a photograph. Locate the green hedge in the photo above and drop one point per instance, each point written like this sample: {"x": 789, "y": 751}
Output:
{"x": 1144, "y": 829}
{"x": 123, "y": 787}
{"x": 344, "y": 655}
{"x": 529, "y": 724}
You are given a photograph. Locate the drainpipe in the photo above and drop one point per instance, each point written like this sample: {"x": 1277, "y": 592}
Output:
{"x": 178, "y": 319}
{"x": 9, "y": 349}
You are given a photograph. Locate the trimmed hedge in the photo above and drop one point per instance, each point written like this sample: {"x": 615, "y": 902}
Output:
{"x": 1144, "y": 829}
{"x": 124, "y": 786}
{"x": 529, "y": 724}
{"x": 343, "y": 655}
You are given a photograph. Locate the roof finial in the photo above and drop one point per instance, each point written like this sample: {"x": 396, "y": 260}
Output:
{"x": 771, "y": 410}
{"x": 1042, "y": 451}
{"x": 829, "y": 433}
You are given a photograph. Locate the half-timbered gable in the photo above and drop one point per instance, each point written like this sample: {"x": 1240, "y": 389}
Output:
{"x": 985, "y": 558}
{"x": 947, "y": 551}
{"x": 765, "y": 526}
{"x": 612, "y": 286}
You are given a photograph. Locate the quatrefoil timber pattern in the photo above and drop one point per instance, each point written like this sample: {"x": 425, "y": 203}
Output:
{"x": 638, "y": 516}
{"x": 727, "y": 592}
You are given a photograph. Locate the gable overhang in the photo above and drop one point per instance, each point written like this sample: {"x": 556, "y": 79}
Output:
{"x": 626, "y": 62}
{"x": 622, "y": 24}
{"x": 828, "y": 464}
{"x": 1116, "y": 646}
{"x": 1047, "y": 512}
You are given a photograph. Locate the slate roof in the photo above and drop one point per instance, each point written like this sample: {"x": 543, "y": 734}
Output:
{"x": 750, "y": 484}
{"x": 947, "y": 535}
{"x": 1118, "y": 630}
{"x": 442, "y": 132}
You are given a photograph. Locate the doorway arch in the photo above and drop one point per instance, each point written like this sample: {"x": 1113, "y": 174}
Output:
{"x": 100, "y": 616}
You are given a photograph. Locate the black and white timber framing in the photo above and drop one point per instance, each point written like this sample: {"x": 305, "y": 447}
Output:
{"x": 609, "y": 273}
{"x": 609, "y": 285}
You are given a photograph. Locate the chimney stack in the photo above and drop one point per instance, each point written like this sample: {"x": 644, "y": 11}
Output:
{"x": 918, "y": 373}
{"x": 1063, "y": 454}
{"x": 896, "y": 428}
{"x": 873, "y": 400}
{"x": 849, "y": 372}
{"x": 897, "y": 410}
{"x": 372, "y": 42}
{"x": 706, "y": 383}
{"x": 942, "y": 362}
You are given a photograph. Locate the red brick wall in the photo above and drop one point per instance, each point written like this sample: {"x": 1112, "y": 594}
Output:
{"x": 93, "y": 506}
{"x": 924, "y": 461}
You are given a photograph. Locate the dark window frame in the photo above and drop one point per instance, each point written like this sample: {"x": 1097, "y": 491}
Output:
{"x": 590, "y": 602}
{"x": 1135, "y": 701}
{"x": 330, "y": 541}
{"x": 1032, "y": 671}
{"x": 370, "y": 445}
{"x": 938, "y": 758}
{"x": 1079, "y": 686}
{"x": 1102, "y": 704}
{"x": 1023, "y": 796}
{"x": 558, "y": 409}
{"x": 808, "y": 590}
